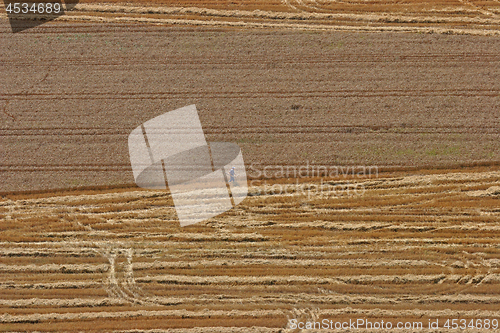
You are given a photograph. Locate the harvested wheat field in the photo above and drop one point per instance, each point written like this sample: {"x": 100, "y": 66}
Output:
{"x": 402, "y": 249}
{"x": 401, "y": 98}
{"x": 478, "y": 17}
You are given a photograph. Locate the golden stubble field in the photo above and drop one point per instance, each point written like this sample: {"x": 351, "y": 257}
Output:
{"x": 478, "y": 17}
{"x": 401, "y": 248}
{"x": 293, "y": 82}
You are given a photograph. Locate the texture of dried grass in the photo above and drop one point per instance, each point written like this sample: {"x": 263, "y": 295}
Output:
{"x": 411, "y": 246}
{"x": 458, "y": 17}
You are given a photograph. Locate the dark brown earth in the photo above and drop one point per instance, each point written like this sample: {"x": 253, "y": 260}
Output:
{"x": 71, "y": 93}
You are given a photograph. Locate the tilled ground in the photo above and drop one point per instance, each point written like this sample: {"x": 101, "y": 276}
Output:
{"x": 401, "y": 248}
{"x": 71, "y": 94}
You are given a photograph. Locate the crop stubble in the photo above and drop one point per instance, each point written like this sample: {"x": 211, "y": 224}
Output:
{"x": 411, "y": 248}
{"x": 455, "y": 16}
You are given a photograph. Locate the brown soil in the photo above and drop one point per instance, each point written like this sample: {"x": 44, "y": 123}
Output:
{"x": 71, "y": 94}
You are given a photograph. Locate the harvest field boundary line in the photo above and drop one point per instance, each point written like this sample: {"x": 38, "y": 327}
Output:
{"x": 383, "y": 172}
{"x": 41, "y": 317}
{"x": 295, "y": 26}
